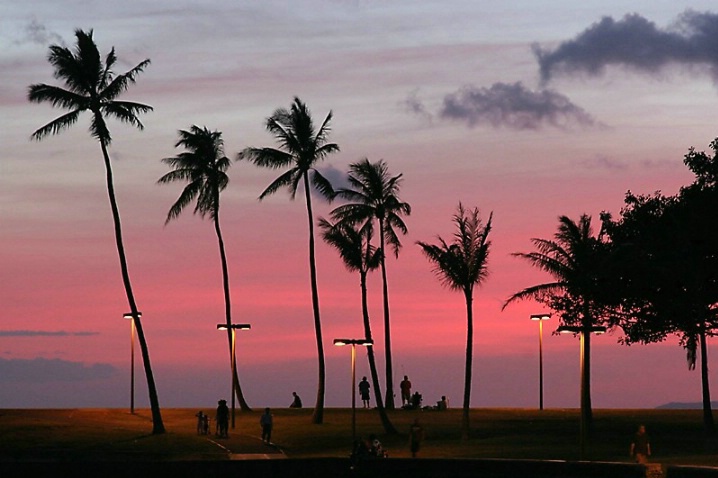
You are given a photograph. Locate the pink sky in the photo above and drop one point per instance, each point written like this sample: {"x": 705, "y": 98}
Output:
{"x": 385, "y": 71}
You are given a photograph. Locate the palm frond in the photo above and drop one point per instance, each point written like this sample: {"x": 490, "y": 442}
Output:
{"x": 57, "y": 97}
{"x": 186, "y": 197}
{"x": 266, "y": 157}
{"x": 56, "y": 125}
{"x": 287, "y": 179}
{"x": 322, "y": 185}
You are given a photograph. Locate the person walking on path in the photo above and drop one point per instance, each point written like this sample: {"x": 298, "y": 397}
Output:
{"x": 416, "y": 436}
{"x": 265, "y": 421}
{"x": 405, "y": 387}
{"x": 640, "y": 447}
{"x": 364, "y": 391}
{"x": 222, "y": 419}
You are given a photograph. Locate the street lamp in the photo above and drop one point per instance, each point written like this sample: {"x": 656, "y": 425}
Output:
{"x": 233, "y": 328}
{"x": 128, "y": 315}
{"x": 354, "y": 343}
{"x": 540, "y": 318}
{"x": 584, "y": 332}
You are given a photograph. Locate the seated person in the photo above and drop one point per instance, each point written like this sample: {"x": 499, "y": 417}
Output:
{"x": 297, "y": 402}
{"x": 442, "y": 404}
{"x": 416, "y": 401}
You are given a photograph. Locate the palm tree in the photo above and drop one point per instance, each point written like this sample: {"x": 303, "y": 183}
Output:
{"x": 461, "y": 265}
{"x": 92, "y": 86}
{"x": 354, "y": 247}
{"x": 374, "y": 196}
{"x": 204, "y": 167}
{"x": 574, "y": 259}
{"x": 301, "y": 146}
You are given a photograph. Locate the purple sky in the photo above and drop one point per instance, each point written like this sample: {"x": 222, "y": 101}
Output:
{"x": 528, "y": 110}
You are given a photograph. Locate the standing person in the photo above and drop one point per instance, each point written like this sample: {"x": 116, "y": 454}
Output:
{"x": 405, "y": 386}
{"x": 364, "y": 391}
{"x": 640, "y": 447}
{"x": 200, "y": 422}
{"x": 222, "y": 419}
{"x": 416, "y": 436}
{"x": 297, "y": 402}
{"x": 266, "y": 423}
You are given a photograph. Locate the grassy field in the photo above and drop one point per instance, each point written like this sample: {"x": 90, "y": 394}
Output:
{"x": 677, "y": 436}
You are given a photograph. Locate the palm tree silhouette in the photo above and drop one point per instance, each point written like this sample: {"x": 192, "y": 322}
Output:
{"x": 204, "y": 167}
{"x": 460, "y": 265}
{"x": 93, "y": 86}
{"x": 355, "y": 249}
{"x": 302, "y": 146}
{"x": 374, "y": 196}
{"x": 574, "y": 259}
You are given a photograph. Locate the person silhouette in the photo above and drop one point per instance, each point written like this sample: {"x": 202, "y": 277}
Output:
{"x": 222, "y": 419}
{"x": 405, "y": 387}
{"x": 297, "y": 402}
{"x": 364, "y": 391}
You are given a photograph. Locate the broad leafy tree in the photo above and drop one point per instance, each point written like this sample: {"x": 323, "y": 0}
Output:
{"x": 666, "y": 281}
{"x": 301, "y": 146}
{"x": 461, "y": 265}
{"x": 373, "y": 197}
{"x": 577, "y": 261}
{"x": 203, "y": 166}
{"x": 357, "y": 253}
{"x": 91, "y": 85}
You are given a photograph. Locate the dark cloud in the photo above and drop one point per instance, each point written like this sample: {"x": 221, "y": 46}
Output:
{"x": 602, "y": 162}
{"x": 43, "y": 333}
{"x": 636, "y": 43}
{"x": 40, "y": 370}
{"x": 513, "y": 106}
{"x": 414, "y": 105}
{"x": 37, "y": 33}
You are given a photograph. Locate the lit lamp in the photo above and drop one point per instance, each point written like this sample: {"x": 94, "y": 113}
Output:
{"x": 353, "y": 343}
{"x": 128, "y": 315}
{"x": 540, "y": 318}
{"x": 233, "y": 328}
{"x": 584, "y": 333}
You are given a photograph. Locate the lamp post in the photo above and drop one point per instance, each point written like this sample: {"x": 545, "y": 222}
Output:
{"x": 584, "y": 332}
{"x": 128, "y": 315}
{"x": 540, "y": 318}
{"x": 353, "y": 343}
{"x": 233, "y": 328}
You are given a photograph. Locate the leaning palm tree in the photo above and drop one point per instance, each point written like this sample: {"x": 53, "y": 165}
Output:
{"x": 461, "y": 265}
{"x": 574, "y": 259}
{"x": 204, "y": 167}
{"x": 374, "y": 196}
{"x": 92, "y": 85}
{"x": 354, "y": 247}
{"x": 301, "y": 147}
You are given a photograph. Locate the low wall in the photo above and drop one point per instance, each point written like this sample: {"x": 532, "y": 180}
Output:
{"x": 334, "y": 468}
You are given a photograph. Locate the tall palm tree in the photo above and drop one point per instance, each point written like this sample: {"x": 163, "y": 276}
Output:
{"x": 301, "y": 147}
{"x": 574, "y": 259}
{"x": 373, "y": 196}
{"x": 461, "y": 265}
{"x": 354, "y": 247}
{"x": 204, "y": 167}
{"x": 92, "y": 85}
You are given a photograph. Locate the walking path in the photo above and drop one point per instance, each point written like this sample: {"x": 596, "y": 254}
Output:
{"x": 246, "y": 447}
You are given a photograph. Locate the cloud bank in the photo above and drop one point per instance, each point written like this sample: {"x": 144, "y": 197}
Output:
{"x": 513, "y": 106}
{"x": 43, "y": 333}
{"x": 41, "y": 370}
{"x": 635, "y": 43}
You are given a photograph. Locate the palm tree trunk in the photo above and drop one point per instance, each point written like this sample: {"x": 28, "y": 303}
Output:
{"x": 243, "y": 405}
{"x": 467, "y": 368}
{"x": 386, "y": 423}
{"x": 585, "y": 366}
{"x": 318, "y": 415}
{"x": 387, "y": 329}
{"x": 157, "y": 424}
{"x": 707, "y": 411}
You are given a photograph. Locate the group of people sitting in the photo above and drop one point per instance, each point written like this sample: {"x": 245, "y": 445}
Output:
{"x": 367, "y": 449}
